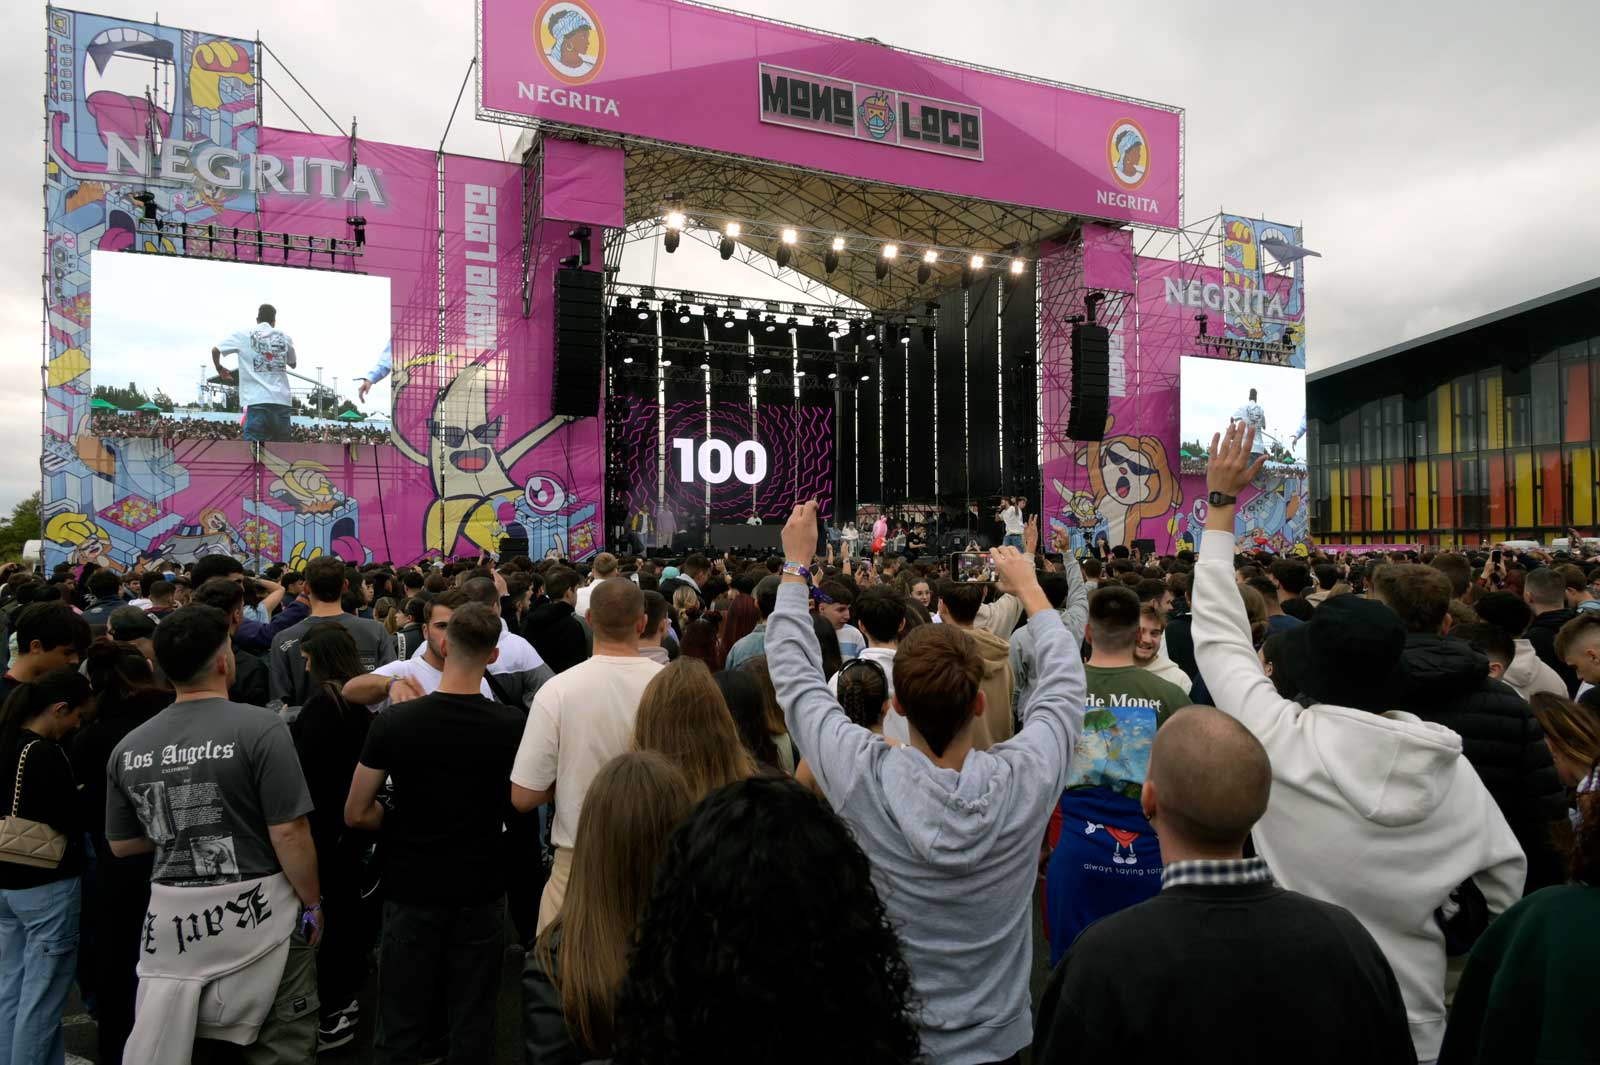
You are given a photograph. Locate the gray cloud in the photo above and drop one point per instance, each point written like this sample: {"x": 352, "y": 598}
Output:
{"x": 1442, "y": 154}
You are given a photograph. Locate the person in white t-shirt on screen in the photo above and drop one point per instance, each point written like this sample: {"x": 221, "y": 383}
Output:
{"x": 265, "y": 355}
{"x": 580, "y": 720}
{"x": 1254, "y": 417}
{"x": 419, "y": 675}
{"x": 1011, "y": 518}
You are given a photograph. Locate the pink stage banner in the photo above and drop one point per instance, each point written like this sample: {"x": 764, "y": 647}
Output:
{"x": 706, "y": 78}
{"x": 581, "y": 182}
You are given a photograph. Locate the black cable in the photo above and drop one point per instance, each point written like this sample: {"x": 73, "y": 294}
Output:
{"x": 383, "y": 515}
{"x": 285, "y": 103}
{"x": 303, "y": 89}
{"x": 459, "y": 93}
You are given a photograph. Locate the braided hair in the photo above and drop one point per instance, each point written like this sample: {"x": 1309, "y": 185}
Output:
{"x": 863, "y": 692}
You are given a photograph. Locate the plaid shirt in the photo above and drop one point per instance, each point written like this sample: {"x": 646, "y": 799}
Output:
{"x": 1216, "y": 872}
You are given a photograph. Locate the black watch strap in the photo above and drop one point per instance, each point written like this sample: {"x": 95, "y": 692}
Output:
{"x": 1220, "y": 499}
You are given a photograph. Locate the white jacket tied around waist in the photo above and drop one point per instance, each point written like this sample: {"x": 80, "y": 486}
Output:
{"x": 210, "y": 962}
{"x": 1378, "y": 813}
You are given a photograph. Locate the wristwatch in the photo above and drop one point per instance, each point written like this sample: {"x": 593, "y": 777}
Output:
{"x": 797, "y": 570}
{"x": 1219, "y": 499}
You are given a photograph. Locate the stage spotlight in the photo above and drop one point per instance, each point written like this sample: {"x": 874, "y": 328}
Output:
{"x": 671, "y": 241}
{"x": 359, "y": 224}
{"x": 727, "y": 319}
{"x": 925, "y": 268}
{"x": 705, "y": 366}
{"x": 789, "y": 238}
{"x": 666, "y": 362}
{"x": 644, "y": 311}
{"x": 834, "y": 332}
{"x": 794, "y": 324}
{"x": 581, "y": 234}
{"x": 146, "y": 200}
{"x": 866, "y": 377}
{"x": 627, "y": 360}
{"x": 766, "y": 370}
{"x": 977, "y": 262}
{"x": 891, "y": 251}
{"x": 683, "y": 314}
{"x": 1018, "y": 266}
{"x": 732, "y": 229}
{"x": 1204, "y": 320}
{"x": 570, "y": 262}
{"x": 725, "y": 246}
{"x": 771, "y": 323}
{"x": 624, "y": 304}
{"x": 881, "y": 270}
{"x": 675, "y": 224}
{"x": 830, "y": 260}
{"x": 833, "y": 377}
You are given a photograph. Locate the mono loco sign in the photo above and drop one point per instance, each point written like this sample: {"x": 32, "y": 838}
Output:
{"x": 867, "y": 112}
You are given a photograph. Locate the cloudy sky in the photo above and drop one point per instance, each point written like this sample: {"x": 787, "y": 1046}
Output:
{"x": 1443, "y": 155}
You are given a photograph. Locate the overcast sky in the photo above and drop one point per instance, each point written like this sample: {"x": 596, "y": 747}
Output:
{"x": 1443, "y": 155}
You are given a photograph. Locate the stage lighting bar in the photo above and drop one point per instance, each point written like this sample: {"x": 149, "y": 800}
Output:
{"x": 156, "y": 236}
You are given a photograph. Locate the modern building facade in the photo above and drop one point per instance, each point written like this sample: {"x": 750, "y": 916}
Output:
{"x": 1481, "y": 432}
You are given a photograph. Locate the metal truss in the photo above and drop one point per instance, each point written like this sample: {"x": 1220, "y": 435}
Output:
{"x": 195, "y": 240}
{"x": 752, "y": 309}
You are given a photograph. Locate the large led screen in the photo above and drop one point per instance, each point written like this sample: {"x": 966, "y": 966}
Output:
{"x": 1216, "y": 392}
{"x": 182, "y": 347}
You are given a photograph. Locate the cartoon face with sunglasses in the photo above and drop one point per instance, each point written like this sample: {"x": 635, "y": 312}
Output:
{"x": 1130, "y": 480}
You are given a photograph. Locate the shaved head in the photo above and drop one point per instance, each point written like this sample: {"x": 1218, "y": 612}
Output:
{"x": 616, "y": 610}
{"x": 1209, "y": 779}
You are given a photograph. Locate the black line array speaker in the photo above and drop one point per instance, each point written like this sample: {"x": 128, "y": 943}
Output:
{"x": 1091, "y": 382}
{"x": 580, "y": 342}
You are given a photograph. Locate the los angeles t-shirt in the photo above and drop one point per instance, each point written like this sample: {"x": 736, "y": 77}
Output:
{"x": 264, "y": 354}
{"x": 203, "y": 780}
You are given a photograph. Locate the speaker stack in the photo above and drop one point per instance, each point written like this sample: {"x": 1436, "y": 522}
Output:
{"x": 1091, "y": 381}
{"x": 580, "y": 330}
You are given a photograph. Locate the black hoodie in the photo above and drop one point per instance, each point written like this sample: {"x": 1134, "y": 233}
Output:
{"x": 1542, "y": 634}
{"x": 1446, "y": 681}
{"x": 556, "y": 634}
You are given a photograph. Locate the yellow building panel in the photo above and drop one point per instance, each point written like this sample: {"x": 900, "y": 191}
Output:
{"x": 1582, "y": 487}
{"x": 1423, "y": 518}
{"x": 1522, "y": 477}
{"x": 1497, "y": 413}
{"x": 1446, "y": 420}
{"x": 1378, "y": 512}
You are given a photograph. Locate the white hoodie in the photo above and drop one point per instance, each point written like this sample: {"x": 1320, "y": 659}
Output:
{"x": 1379, "y": 814}
{"x": 1528, "y": 673}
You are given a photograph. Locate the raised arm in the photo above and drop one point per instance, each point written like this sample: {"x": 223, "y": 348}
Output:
{"x": 834, "y": 747}
{"x": 1053, "y": 714}
{"x": 1221, "y": 629}
{"x": 1076, "y": 612}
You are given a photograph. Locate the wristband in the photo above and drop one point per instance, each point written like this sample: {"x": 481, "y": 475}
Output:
{"x": 795, "y": 569}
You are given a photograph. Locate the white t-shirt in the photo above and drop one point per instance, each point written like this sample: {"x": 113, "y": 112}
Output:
{"x": 1256, "y": 418}
{"x": 895, "y": 726}
{"x": 265, "y": 353}
{"x": 417, "y": 670}
{"x": 579, "y": 721}
{"x": 851, "y": 642}
{"x": 516, "y": 654}
{"x": 1013, "y": 519}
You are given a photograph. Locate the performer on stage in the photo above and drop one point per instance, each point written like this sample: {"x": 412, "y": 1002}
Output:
{"x": 1256, "y": 418}
{"x": 265, "y": 354}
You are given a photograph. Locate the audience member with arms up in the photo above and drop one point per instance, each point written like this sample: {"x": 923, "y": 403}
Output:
{"x": 1372, "y": 808}
{"x": 444, "y": 915}
{"x": 1220, "y": 933}
{"x": 766, "y": 941}
{"x": 953, "y": 832}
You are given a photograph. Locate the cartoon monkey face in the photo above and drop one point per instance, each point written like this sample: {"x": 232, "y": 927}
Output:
{"x": 1124, "y": 470}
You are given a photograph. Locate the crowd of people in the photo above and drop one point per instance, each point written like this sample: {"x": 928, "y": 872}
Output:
{"x": 115, "y": 424}
{"x": 782, "y": 810}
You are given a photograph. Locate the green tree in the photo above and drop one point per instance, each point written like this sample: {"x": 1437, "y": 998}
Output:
{"x": 22, "y": 526}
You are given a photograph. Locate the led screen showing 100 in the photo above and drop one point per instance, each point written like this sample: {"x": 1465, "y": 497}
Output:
{"x": 305, "y": 341}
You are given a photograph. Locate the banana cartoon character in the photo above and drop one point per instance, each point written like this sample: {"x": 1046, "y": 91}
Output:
{"x": 213, "y": 61}
{"x": 470, "y": 470}
{"x": 302, "y": 484}
{"x": 89, "y": 542}
{"x": 1130, "y": 480}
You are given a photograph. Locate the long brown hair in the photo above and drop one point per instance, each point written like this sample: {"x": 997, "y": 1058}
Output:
{"x": 682, "y": 714}
{"x": 1573, "y": 733}
{"x": 756, "y": 666}
{"x": 738, "y": 621}
{"x": 630, "y": 809}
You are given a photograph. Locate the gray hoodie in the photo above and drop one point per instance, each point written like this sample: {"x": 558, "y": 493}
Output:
{"x": 954, "y": 854}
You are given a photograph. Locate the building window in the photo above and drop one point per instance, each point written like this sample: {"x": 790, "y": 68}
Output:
{"x": 1394, "y": 413}
{"x": 1466, "y": 414}
{"x": 1546, "y": 389}
{"x": 1371, "y": 432}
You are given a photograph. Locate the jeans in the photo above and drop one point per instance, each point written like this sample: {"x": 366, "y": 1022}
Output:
{"x": 266, "y": 422}
{"x": 38, "y": 954}
{"x": 1012, "y": 540}
{"x": 431, "y": 954}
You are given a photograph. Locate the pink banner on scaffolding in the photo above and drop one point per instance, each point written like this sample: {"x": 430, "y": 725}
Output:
{"x": 706, "y": 78}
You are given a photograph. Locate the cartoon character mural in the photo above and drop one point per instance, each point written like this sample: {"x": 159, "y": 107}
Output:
{"x": 475, "y": 497}
{"x": 1131, "y": 481}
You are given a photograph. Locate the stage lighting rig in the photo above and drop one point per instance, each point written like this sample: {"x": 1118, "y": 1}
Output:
{"x": 359, "y": 224}
{"x": 582, "y": 234}
{"x": 147, "y": 202}
{"x": 885, "y": 258}
{"x": 925, "y": 268}
{"x": 1203, "y": 323}
{"x": 1018, "y": 267}
{"x": 675, "y": 223}
{"x": 788, "y": 238}
{"x": 727, "y": 320}
{"x": 729, "y": 233}
{"x": 830, "y": 259}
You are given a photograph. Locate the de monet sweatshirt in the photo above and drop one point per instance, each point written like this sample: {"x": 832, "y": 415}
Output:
{"x": 954, "y": 854}
{"x": 1378, "y": 813}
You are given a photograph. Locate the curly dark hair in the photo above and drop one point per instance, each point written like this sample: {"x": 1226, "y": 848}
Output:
{"x": 762, "y": 902}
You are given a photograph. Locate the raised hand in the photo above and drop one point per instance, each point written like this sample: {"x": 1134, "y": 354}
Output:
{"x": 1030, "y": 535}
{"x": 1016, "y": 574}
{"x": 1229, "y": 468}
{"x": 800, "y": 534}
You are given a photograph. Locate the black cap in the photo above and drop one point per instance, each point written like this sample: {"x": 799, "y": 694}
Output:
{"x": 130, "y": 623}
{"x": 1349, "y": 651}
